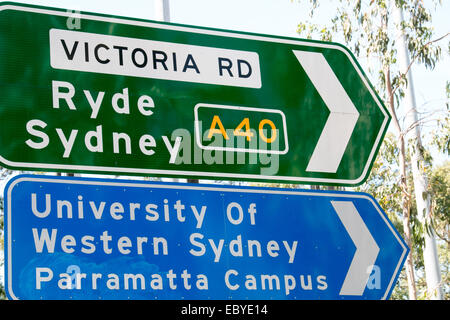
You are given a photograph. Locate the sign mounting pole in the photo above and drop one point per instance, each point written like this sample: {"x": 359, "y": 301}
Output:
{"x": 162, "y": 13}
{"x": 162, "y": 10}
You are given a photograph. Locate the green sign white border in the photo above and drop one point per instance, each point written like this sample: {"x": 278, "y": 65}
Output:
{"x": 214, "y": 32}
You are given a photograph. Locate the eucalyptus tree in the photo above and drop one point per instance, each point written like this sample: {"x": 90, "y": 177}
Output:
{"x": 370, "y": 31}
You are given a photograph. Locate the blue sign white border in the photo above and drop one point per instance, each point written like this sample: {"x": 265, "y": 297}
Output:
{"x": 181, "y": 186}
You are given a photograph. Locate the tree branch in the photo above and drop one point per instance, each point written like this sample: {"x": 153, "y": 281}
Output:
{"x": 403, "y": 74}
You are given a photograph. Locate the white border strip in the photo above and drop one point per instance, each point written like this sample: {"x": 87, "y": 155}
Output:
{"x": 11, "y": 186}
{"x": 201, "y": 173}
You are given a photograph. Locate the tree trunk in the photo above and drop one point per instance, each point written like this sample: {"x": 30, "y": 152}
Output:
{"x": 406, "y": 207}
{"x": 423, "y": 199}
{"x": 406, "y": 199}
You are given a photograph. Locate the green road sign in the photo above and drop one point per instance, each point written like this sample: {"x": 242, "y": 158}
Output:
{"x": 84, "y": 92}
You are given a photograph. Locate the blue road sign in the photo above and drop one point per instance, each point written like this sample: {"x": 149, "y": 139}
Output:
{"x": 78, "y": 238}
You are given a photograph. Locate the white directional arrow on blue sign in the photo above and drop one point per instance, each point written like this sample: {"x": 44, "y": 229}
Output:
{"x": 366, "y": 248}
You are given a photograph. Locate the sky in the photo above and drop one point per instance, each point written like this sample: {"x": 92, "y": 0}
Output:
{"x": 273, "y": 17}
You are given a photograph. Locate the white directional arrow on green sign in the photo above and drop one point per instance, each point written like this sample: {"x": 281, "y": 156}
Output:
{"x": 343, "y": 115}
